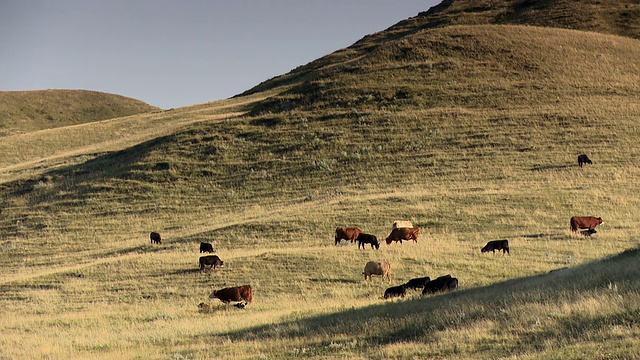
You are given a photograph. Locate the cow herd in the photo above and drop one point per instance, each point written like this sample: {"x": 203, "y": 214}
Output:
{"x": 400, "y": 231}
{"x": 242, "y": 295}
{"x": 404, "y": 230}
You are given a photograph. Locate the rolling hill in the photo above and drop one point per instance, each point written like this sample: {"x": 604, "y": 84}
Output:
{"x": 466, "y": 119}
{"x": 26, "y": 111}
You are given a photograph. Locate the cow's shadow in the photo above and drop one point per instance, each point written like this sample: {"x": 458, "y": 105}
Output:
{"x": 550, "y": 167}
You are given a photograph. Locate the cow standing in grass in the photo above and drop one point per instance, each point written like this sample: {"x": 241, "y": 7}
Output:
{"x": 497, "y": 245}
{"x": 584, "y": 222}
{"x": 417, "y": 283}
{"x": 347, "y": 233}
{"x": 155, "y": 238}
{"x": 237, "y": 293}
{"x": 212, "y": 261}
{"x": 377, "y": 268}
{"x": 368, "y": 239}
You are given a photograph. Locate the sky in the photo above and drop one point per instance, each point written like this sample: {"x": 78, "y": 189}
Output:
{"x": 174, "y": 53}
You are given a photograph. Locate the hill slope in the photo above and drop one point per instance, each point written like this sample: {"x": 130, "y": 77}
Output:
{"x": 619, "y": 17}
{"x": 25, "y": 111}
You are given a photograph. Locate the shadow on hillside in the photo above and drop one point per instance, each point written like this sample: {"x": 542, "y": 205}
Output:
{"x": 393, "y": 321}
{"x": 338, "y": 281}
{"x": 550, "y": 167}
{"x": 133, "y": 163}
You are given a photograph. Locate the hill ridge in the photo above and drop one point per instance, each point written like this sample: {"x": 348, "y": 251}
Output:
{"x": 25, "y": 111}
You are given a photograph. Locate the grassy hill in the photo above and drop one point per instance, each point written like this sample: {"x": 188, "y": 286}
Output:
{"x": 26, "y": 111}
{"x": 471, "y": 131}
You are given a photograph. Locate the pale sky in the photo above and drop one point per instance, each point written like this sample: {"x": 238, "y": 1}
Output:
{"x": 173, "y": 53}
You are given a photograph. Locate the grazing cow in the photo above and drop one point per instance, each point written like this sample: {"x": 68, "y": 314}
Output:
{"x": 212, "y": 261}
{"x": 206, "y": 248}
{"x": 417, "y": 283}
{"x": 368, "y": 239}
{"x": 400, "y": 234}
{"x": 155, "y": 238}
{"x": 347, "y": 233}
{"x": 583, "y": 159}
{"x": 401, "y": 224}
{"x": 443, "y": 283}
{"x": 584, "y": 222}
{"x": 588, "y": 232}
{"x": 237, "y": 293}
{"x": 395, "y": 291}
{"x": 377, "y": 268}
{"x": 497, "y": 245}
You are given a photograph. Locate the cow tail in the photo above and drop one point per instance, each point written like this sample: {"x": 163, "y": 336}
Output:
{"x": 574, "y": 228}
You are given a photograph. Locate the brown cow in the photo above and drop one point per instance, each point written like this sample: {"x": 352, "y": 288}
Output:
{"x": 400, "y": 234}
{"x": 237, "y": 293}
{"x": 584, "y": 222}
{"x": 212, "y": 261}
{"x": 347, "y": 233}
{"x": 377, "y": 268}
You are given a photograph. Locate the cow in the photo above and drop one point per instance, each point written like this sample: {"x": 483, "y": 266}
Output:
{"x": 155, "y": 238}
{"x": 588, "y": 232}
{"x": 417, "y": 283}
{"x": 401, "y": 224}
{"x": 212, "y": 261}
{"x": 441, "y": 284}
{"x": 494, "y": 245}
{"x": 395, "y": 291}
{"x": 206, "y": 248}
{"x": 583, "y": 159}
{"x": 347, "y": 233}
{"x": 368, "y": 239}
{"x": 377, "y": 268}
{"x": 584, "y": 222}
{"x": 400, "y": 234}
{"x": 237, "y": 293}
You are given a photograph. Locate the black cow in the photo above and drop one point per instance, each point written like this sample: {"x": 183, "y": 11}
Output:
{"x": 583, "y": 159}
{"x": 212, "y": 261}
{"x": 497, "y": 245}
{"x": 155, "y": 238}
{"x": 417, "y": 283}
{"x": 588, "y": 232}
{"x": 206, "y": 248}
{"x": 395, "y": 291}
{"x": 368, "y": 239}
{"x": 443, "y": 283}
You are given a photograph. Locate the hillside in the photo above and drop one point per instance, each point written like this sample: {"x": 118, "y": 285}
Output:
{"x": 26, "y": 111}
{"x": 618, "y": 17}
{"x": 471, "y": 131}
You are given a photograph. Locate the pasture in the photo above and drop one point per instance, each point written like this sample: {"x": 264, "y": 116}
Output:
{"x": 459, "y": 155}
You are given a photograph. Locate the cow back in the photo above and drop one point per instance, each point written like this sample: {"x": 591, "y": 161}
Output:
{"x": 401, "y": 224}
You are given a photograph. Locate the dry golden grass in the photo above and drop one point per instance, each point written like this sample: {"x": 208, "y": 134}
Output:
{"x": 469, "y": 156}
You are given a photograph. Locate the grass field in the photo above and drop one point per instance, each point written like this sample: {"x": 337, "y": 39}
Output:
{"x": 474, "y": 147}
